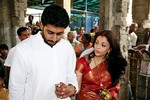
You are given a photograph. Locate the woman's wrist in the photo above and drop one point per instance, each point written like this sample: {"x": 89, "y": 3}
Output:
{"x": 72, "y": 90}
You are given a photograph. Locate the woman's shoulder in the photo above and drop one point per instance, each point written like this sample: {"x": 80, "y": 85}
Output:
{"x": 82, "y": 59}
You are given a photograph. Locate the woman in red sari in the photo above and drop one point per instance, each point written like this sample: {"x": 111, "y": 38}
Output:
{"x": 99, "y": 72}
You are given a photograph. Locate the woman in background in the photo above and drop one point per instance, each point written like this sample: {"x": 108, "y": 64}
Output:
{"x": 83, "y": 45}
{"x": 99, "y": 72}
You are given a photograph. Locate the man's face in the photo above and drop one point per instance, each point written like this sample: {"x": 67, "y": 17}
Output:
{"x": 51, "y": 34}
{"x": 70, "y": 38}
{"x": 25, "y": 34}
{"x": 30, "y": 19}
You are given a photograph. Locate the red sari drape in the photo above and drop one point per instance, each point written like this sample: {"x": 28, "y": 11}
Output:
{"x": 94, "y": 80}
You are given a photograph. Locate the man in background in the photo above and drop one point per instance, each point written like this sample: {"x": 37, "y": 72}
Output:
{"x": 132, "y": 37}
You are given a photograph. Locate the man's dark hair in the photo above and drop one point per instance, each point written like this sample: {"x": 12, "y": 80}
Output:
{"x": 3, "y": 47}
{"x": 55, "y": 15}
{"x": 31, "y": 16}
{"x": 20, "y": 30}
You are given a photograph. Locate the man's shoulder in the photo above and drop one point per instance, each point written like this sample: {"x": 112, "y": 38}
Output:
{"x": 64, "y": 41}
{"x": 26, "y": 43}
{"x": 133, "y": 35}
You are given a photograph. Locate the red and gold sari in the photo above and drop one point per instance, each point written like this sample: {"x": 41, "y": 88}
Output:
{"x": 94, "y": 80}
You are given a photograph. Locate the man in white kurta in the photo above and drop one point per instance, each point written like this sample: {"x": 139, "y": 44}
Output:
{"x": 43, "y": 67}
{"x": 38, "y": 67}
{"x": 132, "y": 37}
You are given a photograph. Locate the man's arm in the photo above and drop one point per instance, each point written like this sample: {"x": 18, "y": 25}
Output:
{"x": 17, "y": 78}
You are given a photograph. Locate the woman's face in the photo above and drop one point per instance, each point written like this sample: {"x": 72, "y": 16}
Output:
{"x": 101, "y": 46}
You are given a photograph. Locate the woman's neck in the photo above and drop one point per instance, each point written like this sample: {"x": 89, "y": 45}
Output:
{"x": 99, "y": 59}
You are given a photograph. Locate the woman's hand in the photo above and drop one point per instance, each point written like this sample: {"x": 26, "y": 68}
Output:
{"x": 105, "y": 94}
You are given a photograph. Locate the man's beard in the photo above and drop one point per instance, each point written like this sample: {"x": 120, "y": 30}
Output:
{"x": 48, "y": 42}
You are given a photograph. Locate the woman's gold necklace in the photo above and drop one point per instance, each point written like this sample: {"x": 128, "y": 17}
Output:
{"x": 95, "y": 62}
{"x": 98, "y": 71}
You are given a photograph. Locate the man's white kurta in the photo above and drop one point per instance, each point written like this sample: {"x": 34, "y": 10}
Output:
{"x": 37, "y": 67}
{"x": 9, "y": 59}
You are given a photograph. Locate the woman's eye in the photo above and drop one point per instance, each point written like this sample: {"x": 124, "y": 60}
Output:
{"x": 96, "y": 42}
{"x": 103, "y": 45}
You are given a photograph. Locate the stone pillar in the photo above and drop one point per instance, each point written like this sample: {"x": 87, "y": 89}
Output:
{"x": 12, "y": 16}
{"x": 140, "y": 12}
{"x": 67, "y": 5}
{"x": 141, "y": 15}
{"x": 5, "y": 23}
{"x": 146, "y": 23}
{"x": 103, "y": 15}
{"x": 113, "y": 15}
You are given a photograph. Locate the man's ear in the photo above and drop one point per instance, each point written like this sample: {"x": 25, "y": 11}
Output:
{"x": 41, "y": 25}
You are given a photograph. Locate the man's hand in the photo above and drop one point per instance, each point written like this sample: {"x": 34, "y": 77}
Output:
{"x": 63, "y": 91}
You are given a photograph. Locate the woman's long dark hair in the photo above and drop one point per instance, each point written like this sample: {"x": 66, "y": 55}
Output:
{"x": 115, "y": 62}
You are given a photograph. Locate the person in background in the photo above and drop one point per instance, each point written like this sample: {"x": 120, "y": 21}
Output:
{"x": 146, "y": 33}
{"x": 83, "y": 45}
{"x": 43, "y": 66}
{"x": 72, "y": 39}
{"x": 132, "y": 37}
{"x": 142, "y": 52}
{"x": 99, "y": 72}
{"x": 30, "y": 30}
{"x": 92, "y": 34}
{"x": 75, "y": 34}
{"x": 3, "y": 52}
{"x": 22, "y": 33}
{"x": 3, "y": 90}
{"x": 3, "y": 55}
{"x": 30, "y": 23}
{"x": 35, "y": 30}
{"x": 96, "y": 29}
{"x": 81, "y": 33}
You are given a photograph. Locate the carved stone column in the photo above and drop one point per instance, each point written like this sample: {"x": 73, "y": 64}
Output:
{"x": 113, "y": 15}
{"x": 12, "y": 16}
{"x": 146, "y": 23}
{"x": 141, "y": 15}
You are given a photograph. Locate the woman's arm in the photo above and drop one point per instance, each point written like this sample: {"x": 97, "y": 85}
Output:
{"x": 114, "y": 91}
{"x": 79, "y": 78}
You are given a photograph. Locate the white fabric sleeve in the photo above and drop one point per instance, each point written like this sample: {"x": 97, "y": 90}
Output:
{"x": 87, "y": 51}
{"x": 8, "y": 61}
{"x": 71, "y": 76}
{"x": 147, "y": 47}
{"x": 17, "y": 77}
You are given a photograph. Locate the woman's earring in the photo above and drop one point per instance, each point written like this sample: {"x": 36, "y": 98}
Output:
{"x": 107, "y": 56}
